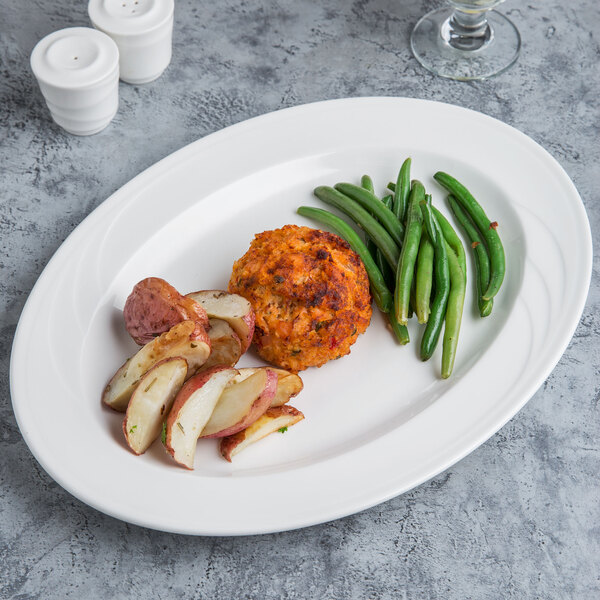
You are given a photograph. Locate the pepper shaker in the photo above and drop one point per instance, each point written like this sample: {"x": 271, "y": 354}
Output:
{"x": 142, "y": 29}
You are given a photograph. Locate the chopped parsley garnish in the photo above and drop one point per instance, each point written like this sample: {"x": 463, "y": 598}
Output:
{"x": 282, "y": 429}
{"x": 151, "y": 384}
{"x": 132, "y": 429}
{"x": 163, "y": 435}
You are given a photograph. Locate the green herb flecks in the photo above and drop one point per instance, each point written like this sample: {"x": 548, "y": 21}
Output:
{"x": 151, "y": 384}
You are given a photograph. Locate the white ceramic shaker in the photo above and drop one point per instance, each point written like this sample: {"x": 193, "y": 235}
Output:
{"x": 78, "y": 73}
{"x": 142, "y": 29}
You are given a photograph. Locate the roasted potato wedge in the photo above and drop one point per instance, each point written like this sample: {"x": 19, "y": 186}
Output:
{"x": 273, "y": 420}
{"x": 155, "y": 306}
{"x": 288, "y": 384}
{"x": 177, "y": 341}
{"x": 242, "y": 402}
{"x": 191, "y": 411}
{"x": 151, "y": 402}
{"x": 234, "y": 309}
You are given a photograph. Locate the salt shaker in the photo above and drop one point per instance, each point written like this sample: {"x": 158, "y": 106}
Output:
{"x": 77, "y": 70}
{"x": 142, "y": 29}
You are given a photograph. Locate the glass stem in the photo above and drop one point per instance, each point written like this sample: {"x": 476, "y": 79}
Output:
{"x": 467, "y": 31}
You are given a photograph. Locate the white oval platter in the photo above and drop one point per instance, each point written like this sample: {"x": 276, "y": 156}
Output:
{"x": 379, "y": 421}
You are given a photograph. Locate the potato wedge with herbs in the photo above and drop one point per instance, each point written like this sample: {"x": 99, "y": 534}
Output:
{"x": 278, "y": 418}
{"x": 175, "y": 342}
{"x": 234, "y": 309}
{"x": 191, "y": 411}
{"x": 242, "y": 402}
{"x": 288, "y": 384}
{"x": 151, "y": 402}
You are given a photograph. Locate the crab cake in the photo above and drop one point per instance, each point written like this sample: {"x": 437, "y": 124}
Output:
{"x": 310, "y": 293}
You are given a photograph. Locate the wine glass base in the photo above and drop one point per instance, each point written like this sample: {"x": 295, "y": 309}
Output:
{"x": 438, "y": 56}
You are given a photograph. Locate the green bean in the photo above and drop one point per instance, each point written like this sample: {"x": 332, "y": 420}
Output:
{"x": 400, "y": 331}
{"x": 482, "y": 260}
{"x": 426, "y": 284}
{"x": 408, "y": 255}
{"x": 371, "y": 203}
{"x": 486, "y": 228}
{"x": 452, "y": 238}
{"x": 424, "y": 278}
{"x": 382, "y": 295}
{"x": 402, "y": 191}
{"x": 454, "y": 310}
{"x": 367, "y": 183}
{"x": 429, "y": 222}
{"x": 442, "y": 284}
{"x": 363, "y": 219}
{"x": 458, "y": 282}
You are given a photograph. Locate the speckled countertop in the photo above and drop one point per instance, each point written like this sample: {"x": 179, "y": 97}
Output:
{"x": 518, "y": 518}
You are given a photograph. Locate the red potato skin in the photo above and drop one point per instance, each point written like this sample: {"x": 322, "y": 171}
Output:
{"x": 229, "y": 443}
{"x": 154, "y": 306}
{"x": 258, "y": 409}
{"x": 249, "y": 319}
{"x": 285, "y": 391}
{"x": 294, "y": 393}
{"x": 201, "y": 335}
{"x": 189, "y": 387}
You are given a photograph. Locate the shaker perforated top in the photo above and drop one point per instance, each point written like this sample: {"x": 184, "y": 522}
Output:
{"x": 130, "y": 17}
{"x": 74, "y": 57}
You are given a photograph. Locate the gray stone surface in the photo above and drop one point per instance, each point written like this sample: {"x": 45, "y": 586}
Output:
{"x": 518, "y": 518}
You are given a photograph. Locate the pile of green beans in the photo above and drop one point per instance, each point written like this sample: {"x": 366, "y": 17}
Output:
{"x": 414, "y": 258}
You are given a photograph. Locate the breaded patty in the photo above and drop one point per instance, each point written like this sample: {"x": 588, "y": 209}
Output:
{"x": 310, "y": 293}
